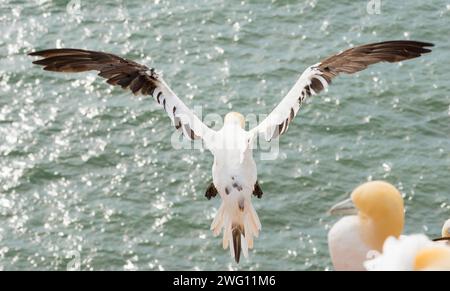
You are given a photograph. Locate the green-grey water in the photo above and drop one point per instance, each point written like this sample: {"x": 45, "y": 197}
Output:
{"x": 88, "y": 171}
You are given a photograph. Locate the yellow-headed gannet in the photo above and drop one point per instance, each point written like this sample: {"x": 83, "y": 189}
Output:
{"x": 377, "y": 213}
{"x": 370, "y": 238}
{"x": 234, "y": 169}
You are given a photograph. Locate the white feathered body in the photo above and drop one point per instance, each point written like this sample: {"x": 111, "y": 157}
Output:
{"x": 347, "y": 249}
{"x": 234, "y": 176}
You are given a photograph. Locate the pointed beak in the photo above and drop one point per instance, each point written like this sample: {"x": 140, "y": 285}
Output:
{"x": 345, "y": 207}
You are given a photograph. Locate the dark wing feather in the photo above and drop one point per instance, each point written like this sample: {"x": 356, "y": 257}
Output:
{"x": 116, "y": 70}
{"x": 359, "y": 58}
{"x": 128, "y": 74}
{"x": 319, "y": 76}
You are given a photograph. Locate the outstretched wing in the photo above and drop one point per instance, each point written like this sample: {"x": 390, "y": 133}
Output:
{"x": 127, "y": 74}
{"x": 317, "y": 77}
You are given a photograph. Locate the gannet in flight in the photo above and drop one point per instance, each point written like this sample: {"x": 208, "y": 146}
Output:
{"x": 371, "y": 239}
{"x": 234, "y": 169}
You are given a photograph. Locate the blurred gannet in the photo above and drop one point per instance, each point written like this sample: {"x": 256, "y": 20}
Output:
{"x": 377, "y": 213}
{"x": 414, "y": 253}
{"x": 234, "y": 169}
{"x": 445, "y": 233}
{"x": 432, "y": 259}
{"x": 446, "y": 229}
{"x": 371, "y": 239}
{"x": 411, "y": 253}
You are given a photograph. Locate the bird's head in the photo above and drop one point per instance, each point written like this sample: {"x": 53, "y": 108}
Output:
{"x": 235, "y": 118}
{"x": 445, "y": 233}
{"x": 446, "y": 229}
{"x": 379, "y": 207}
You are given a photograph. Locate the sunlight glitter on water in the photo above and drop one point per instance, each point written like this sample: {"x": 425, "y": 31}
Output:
{"x": 85, "y": 165}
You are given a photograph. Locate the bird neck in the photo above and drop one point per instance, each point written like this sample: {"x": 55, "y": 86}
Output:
{"x": 375, "y": 231}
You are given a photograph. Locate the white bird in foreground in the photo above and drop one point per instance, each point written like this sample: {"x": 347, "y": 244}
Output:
{"x": 234, "y": 169}
{"x": 414, "y": 252}
{"x": 376, "y": 213}
{"x": 371, "y": 239}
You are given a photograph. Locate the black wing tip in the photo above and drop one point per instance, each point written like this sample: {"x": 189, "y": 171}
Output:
{"x": 410, "y": 42}
{"x": 419, "y": 43}
{"x": 40, "y": 62}
{"x": 47, "y": 52}
{"x": 42, "y": 53}
{"x": 424, "y": 46}
{"x": 419, "y": 47}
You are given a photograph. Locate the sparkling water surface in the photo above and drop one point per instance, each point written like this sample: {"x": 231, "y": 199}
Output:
{"x": 88, "y": 176}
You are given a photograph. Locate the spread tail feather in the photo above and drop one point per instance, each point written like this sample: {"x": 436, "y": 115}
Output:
{"x": 217, "y": 223}
{"x": 238, "y": 235}
{"x": 237, "y": 232}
